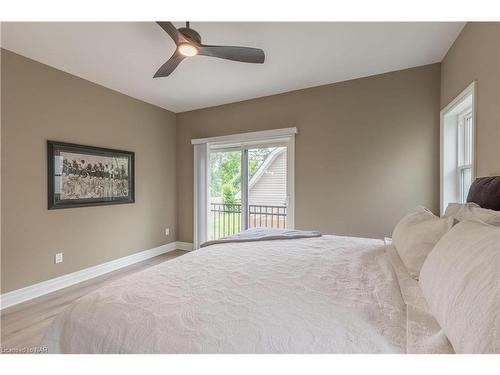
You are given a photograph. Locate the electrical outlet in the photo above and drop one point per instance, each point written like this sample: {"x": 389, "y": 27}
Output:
{"x": 167, "y": 232}
{"x": 58, "y": 258}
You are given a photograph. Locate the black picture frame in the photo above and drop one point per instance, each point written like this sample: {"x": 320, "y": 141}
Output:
{"x": 86, "y": 172}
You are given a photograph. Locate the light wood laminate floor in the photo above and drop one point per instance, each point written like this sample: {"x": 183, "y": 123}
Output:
{"x": 23, "y": 325}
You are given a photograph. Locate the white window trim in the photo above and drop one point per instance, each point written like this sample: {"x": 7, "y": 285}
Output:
{"x": 283, "y": 137}
{"x": 472, "y": 91}
{"x": 245, "y": 137}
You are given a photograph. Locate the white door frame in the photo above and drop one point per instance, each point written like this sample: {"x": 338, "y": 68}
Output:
{"x": 244, "y": 188}
{"x": 201, "y": 202}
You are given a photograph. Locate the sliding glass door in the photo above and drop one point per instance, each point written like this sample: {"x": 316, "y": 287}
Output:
{"x": 248, "y": 188}
{"x": 243, "y": 181}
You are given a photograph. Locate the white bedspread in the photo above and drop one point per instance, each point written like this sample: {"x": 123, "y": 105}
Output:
{"x": 317, "y": 295}
{"x": 424, "y": 335}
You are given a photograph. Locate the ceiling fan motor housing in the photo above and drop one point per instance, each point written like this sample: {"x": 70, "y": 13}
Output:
{"x": 190, "y": 34}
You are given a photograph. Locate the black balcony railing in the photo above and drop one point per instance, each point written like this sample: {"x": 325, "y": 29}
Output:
{"x": 266, "y": 216}
{"x": 226, "y": 218}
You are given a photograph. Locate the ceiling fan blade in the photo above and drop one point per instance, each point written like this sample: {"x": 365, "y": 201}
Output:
{"x": 243, "y": 54}
{"x": 170, "y": 29}
{"x": 167, "y": 68}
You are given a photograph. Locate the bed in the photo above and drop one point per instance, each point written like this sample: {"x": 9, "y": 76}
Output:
{"x": 432, "y": 288}
{"x": 315, "y": 295}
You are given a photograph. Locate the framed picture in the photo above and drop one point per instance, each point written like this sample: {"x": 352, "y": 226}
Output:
{"x": 81, "y": 176}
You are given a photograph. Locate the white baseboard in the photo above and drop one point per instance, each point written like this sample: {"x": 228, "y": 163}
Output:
{"x": 36, "y": 290}
{"x": 188, "y": 246}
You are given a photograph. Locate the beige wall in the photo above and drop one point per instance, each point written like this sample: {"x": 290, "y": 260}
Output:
{"x": 475, "y": 55}
{"x": 40, "y": 103}
{"x": 366, "y": 153}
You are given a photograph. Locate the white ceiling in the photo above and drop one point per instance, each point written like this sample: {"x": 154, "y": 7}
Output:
{"x": 124, "y": 56}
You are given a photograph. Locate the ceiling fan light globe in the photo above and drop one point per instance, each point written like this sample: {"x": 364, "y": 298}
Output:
{"x": 187, "y": 50}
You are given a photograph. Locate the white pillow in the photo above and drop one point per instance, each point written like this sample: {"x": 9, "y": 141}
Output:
{"x": 460, "y": 280}
{"x": 473, "y": 212}
{"x": 476, "y": 213}
{"x": 416, "y": 234}
{"x": 453, "y": 209}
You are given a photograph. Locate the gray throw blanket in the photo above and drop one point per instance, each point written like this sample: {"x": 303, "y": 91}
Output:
{"x": 264, "y": 234}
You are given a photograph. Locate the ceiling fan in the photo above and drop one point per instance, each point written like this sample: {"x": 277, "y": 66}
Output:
{"x": 188, "y": 43}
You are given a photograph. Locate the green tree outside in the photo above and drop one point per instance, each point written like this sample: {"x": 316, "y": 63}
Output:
{"x": 225, "y": 171}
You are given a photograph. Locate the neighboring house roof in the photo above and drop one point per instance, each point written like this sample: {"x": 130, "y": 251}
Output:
{"x": 263, "y": 167}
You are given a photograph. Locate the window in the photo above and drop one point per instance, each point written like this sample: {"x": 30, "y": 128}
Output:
{"x": 457, "y": 148}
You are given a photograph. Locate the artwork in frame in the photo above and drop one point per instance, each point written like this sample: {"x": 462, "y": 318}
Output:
{"x": 80, "y": 176}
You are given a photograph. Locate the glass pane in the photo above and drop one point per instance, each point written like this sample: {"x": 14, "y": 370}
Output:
{"x": 465, "y": 183}
{"x": 225, "y": 193}
{"x": 465, "y": 141}
{"x": 468, "y": 140}
{"x": 267, "y": 187}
